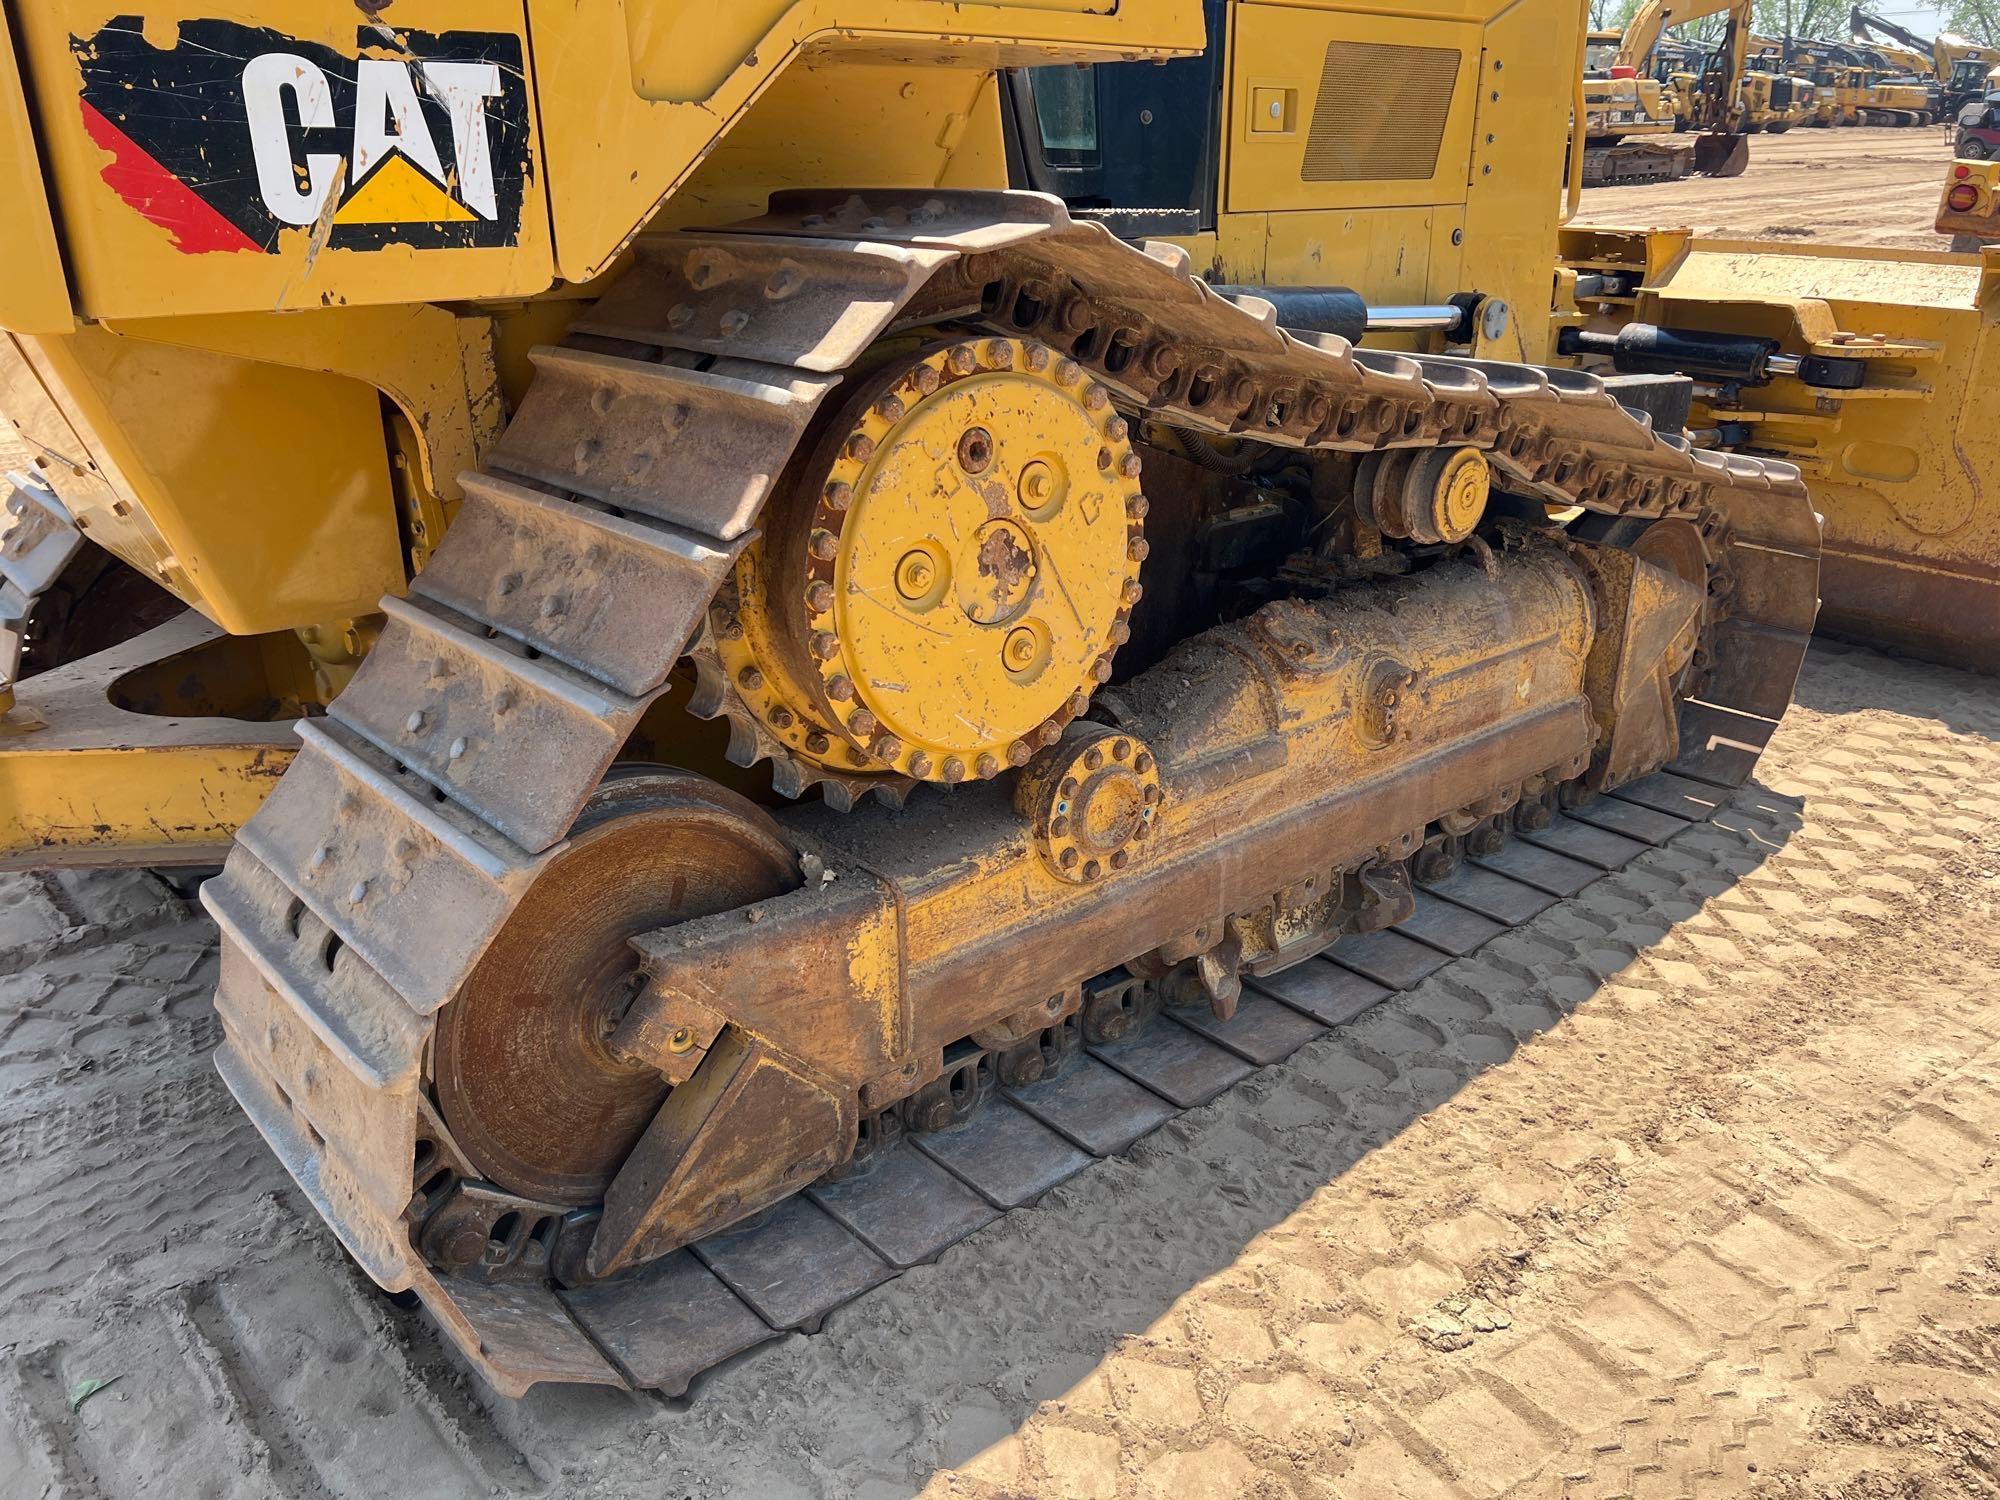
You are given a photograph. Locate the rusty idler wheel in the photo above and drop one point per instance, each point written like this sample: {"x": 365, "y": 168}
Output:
{"x": 524, "y": 1078}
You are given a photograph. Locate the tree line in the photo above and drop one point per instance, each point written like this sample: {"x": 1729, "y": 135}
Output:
{"x": 1976, "y": 20}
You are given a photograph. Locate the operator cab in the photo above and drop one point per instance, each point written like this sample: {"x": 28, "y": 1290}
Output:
{"x": 1133, "y": 145}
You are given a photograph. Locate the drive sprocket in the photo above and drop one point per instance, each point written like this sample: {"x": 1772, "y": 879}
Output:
{"x": 944, "y": 582}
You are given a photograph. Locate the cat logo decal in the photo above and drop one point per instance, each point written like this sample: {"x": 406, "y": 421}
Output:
{"x": 235, "y": 135}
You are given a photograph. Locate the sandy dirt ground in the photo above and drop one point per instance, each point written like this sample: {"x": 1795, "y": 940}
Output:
{"x": 1874, "y": 185}
{"x": 1687, "y": 1187}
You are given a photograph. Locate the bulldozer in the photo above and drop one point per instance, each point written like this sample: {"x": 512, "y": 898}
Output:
{"x": 761, "y": 578}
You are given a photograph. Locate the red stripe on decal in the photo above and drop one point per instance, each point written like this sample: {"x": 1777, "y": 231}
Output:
{"x": 162, "y": 197}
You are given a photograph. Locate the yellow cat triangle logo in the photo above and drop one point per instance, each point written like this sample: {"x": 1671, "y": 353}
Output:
{"x": 397, "y": 193}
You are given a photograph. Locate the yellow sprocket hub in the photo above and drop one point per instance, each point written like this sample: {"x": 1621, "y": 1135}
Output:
{"x": 947, "y": 587}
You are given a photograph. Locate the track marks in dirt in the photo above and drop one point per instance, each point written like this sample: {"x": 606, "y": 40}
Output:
{"x": 258, "y": 1385}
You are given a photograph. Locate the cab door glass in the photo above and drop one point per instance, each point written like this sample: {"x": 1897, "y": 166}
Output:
{"x": 1066, "y": 110}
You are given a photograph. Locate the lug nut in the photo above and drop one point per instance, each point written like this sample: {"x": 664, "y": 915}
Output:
{"x": 915, "y": 574}
{"x": 1019, "y": 652}
{"x": 1038, "y": 484}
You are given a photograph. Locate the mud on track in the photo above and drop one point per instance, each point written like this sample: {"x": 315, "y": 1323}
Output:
{"x": 1685, "y": 1187}
{"x": 1862, "y": 185}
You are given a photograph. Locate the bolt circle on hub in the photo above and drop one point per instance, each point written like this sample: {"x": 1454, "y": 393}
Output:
{"x": 941, "y": 587}
{"x": 1094, "y": 802}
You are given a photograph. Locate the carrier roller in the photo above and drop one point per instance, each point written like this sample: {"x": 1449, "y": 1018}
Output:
{"x": 521, "y": 1024}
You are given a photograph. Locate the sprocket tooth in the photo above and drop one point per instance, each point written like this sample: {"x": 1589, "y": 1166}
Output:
{"x": 746, "y": 745}
{"x": 786, "y": 779}
{"x": 895, "y": 793}
{"x": 711, "y": 682}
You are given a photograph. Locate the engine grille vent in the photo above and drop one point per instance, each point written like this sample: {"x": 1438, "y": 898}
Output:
{"x": 1380, "y": 113}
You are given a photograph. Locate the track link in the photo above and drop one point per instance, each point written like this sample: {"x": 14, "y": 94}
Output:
{"x": 587, "y": 557}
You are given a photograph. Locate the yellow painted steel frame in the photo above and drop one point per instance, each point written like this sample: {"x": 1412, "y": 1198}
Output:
{"x": 1980, "y": 221}
{"x": 272, "y": 427}
{"x": 1482, "y": 217}
{"x": 125, "y": 758}
{"x": 1903, "y": 469}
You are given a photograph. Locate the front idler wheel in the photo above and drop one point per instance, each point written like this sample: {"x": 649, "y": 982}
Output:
{"x": 525, "y": 1079}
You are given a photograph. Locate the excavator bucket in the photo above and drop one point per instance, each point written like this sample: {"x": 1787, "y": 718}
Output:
{"x": 1721, "y": 155}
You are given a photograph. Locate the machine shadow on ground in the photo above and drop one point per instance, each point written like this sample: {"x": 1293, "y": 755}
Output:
{"x": 1186, "y": 1203}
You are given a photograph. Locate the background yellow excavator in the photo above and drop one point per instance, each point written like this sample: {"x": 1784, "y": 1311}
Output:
{"x": 1711, "y": 103}
{"x": 723, "y": 637}
{"x": 1957, "y": 69}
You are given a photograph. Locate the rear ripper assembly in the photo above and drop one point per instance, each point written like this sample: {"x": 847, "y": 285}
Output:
{"x": 523, "y": 1023}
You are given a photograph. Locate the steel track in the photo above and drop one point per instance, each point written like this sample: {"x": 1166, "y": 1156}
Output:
{"x": 423, "y": 806}
{"x": 789, "y": 1267}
